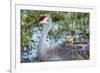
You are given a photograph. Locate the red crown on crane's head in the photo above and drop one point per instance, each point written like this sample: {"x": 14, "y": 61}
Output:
{"x": 42, "y": 18}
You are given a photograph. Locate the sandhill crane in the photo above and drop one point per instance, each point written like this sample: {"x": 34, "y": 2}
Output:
{"x": 58, "y": 53}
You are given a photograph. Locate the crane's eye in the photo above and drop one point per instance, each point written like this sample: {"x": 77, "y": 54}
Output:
{"x": 47, "y": 20}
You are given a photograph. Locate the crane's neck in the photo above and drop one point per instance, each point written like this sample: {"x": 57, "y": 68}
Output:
{"x": 46, "y": 29}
